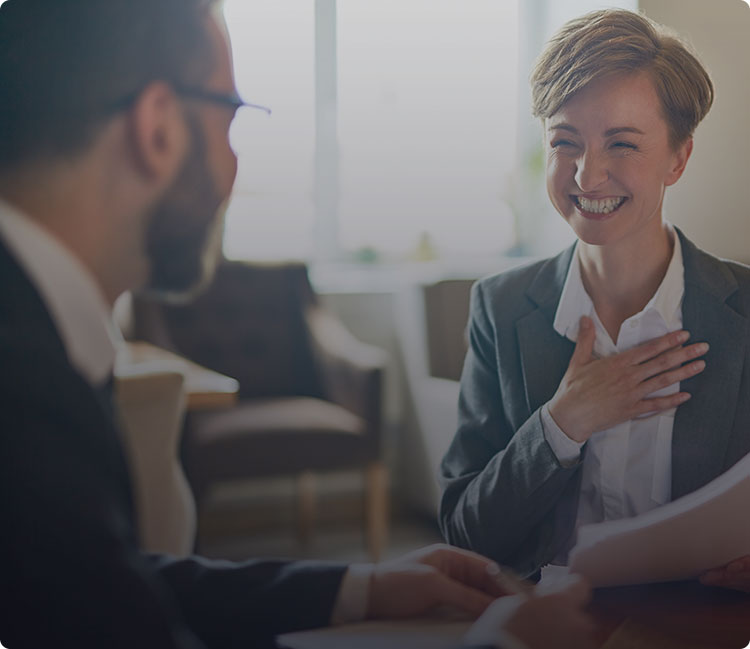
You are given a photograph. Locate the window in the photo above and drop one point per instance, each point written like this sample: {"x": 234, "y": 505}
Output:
{"x": 400, "y": 129}
{"x": 271, "y": 211}
{"x": 413, "y": 143}
{"x": 426, "y": 124}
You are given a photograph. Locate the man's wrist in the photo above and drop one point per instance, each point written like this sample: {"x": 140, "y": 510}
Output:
{"x": 354, "y": 594}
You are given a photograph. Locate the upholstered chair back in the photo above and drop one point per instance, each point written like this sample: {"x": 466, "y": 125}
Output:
{"x": 248, "y": 324}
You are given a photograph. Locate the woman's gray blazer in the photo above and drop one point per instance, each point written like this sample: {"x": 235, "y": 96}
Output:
{"x": 504, "y": 493}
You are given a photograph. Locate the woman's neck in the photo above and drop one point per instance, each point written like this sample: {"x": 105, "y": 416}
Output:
{"x": 622, "y": 277}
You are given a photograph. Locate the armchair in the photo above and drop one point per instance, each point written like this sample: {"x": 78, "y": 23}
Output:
{"x": 310, "y": 393}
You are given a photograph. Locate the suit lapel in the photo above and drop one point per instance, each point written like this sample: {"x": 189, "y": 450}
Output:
{"x": 703, "y": 424}
{"x": 544, "y": 353}
{"x": 25, "y": 320}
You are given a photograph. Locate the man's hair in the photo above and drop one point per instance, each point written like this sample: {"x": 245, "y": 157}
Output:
{"x": 66, "y": 66}
{"x": 610, "y": 41}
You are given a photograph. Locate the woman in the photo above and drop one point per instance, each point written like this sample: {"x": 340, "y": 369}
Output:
{"x": 581, "y": 398}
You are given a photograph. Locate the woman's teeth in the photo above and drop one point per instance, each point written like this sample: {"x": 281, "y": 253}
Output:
{"x": 599, "y": 206}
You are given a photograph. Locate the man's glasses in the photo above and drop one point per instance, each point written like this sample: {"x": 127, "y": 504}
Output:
{"x": 231, "y": 100}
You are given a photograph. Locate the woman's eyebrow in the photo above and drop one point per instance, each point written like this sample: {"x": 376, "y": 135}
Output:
{"x": 563, "y": 126}
{"x": 622, "y": 129}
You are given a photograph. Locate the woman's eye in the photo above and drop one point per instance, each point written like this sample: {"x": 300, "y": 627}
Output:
{"x": 561, "y": 143}
{"x": 624, "y": 145}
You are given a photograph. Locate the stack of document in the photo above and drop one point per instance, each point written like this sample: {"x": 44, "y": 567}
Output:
{"x": 680, "y": 540}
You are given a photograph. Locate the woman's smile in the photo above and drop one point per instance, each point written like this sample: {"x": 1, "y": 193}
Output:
{"x": 597, "y": 208}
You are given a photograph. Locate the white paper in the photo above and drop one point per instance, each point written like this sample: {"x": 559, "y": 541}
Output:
{"x": 680, "y": 540}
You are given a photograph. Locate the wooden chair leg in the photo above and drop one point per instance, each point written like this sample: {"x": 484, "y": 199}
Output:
{"x": 305, "y": 506}
{"x": 376, "y": 509}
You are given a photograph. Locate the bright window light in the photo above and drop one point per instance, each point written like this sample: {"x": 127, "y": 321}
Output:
{"x": 270, "y": 214}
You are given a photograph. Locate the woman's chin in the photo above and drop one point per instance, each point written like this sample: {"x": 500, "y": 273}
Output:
{"x": 593, "y": 233}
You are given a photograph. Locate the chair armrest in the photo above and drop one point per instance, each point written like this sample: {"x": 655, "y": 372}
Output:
{"x": 352, "y": 371}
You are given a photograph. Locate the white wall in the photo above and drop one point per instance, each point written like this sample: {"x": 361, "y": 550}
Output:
{"x": 710, "y": 202}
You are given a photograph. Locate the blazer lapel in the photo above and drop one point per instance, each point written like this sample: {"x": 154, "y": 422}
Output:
{"x": 25, "y": 317}
{"x": 703, "y": 424}
{"x": 544, "y": 353}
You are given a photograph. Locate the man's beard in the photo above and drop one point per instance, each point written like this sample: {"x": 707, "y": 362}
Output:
{"x": 183, "y": 240}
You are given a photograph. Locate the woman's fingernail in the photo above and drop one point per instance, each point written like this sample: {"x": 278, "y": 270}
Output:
{"x": 493, "y": 569}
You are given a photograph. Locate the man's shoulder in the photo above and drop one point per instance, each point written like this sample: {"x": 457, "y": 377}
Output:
{"x": 38, "y": 378}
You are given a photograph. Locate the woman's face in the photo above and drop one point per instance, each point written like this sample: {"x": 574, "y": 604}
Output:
{"x": 609, "y": 160}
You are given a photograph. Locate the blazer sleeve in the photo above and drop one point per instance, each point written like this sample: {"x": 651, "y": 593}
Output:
{"x": 70, "y": 571}
{"x": 505, "y": 495}
{"x": 245, "y": 604}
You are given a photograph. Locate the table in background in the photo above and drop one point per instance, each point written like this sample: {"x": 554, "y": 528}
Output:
{"x": 204, "y": 388}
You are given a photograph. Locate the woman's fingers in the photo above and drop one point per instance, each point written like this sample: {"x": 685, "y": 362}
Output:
{"x": 585, "y": 343}
{"x": 735, "y": 575}
{"x": 597, "y": 394}
{"x": 659, "y": 404}
{"x": 670, "y": 378}
{"x": 653, "y": 348}
{"x": 670, "y": 359}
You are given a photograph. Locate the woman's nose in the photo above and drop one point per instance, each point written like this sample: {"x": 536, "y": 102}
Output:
{"x": 591, "y": 171}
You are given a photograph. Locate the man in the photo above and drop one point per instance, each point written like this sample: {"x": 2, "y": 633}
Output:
{"x": 114, "y": 160}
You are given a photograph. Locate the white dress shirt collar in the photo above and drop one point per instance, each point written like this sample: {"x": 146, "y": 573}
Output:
{"x": 70, "y": 292}
{"x": 666, "y": 302}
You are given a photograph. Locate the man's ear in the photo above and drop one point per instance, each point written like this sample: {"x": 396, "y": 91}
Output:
{"x": 159, "y": 133}
{"x": 679, "y": 161}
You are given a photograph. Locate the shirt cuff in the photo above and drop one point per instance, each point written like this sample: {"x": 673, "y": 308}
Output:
{"x": 352, "y": 599}
{"x": 567, "y": 450}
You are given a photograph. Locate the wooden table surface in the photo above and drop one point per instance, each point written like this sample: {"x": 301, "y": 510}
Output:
{"x": 204, "y": 388}
{"x": 676, "y": 615}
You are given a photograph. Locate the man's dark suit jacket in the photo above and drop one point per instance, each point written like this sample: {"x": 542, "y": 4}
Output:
{"x": 505, "y": 494}
{"x": 70, "y": 571}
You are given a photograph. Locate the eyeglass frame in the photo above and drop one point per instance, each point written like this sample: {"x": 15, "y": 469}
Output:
{"x": 229, "y": 100}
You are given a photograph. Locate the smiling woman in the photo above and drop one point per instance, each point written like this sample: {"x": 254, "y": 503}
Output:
{"x": 609, "y": 160}
{"x": 581, "y": 399}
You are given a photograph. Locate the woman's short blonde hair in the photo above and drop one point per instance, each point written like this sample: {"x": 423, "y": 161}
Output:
{"x": 612, "y": 41}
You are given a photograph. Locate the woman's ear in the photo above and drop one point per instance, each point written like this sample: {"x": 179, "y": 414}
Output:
{"x": 679, "y": 160}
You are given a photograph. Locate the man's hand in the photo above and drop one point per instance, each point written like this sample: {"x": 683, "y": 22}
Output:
{"x": 552, "y": 618}
{"x": 735, "y": 575}
{"x": 431, "y": 577}
{"x": 596, "y": 394}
